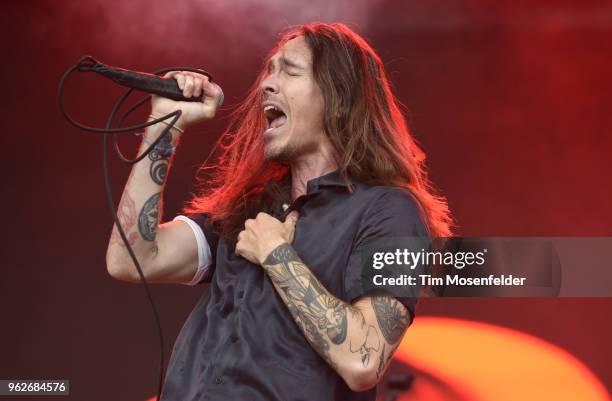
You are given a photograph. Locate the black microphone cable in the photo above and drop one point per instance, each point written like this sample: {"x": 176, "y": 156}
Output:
{"x": 89, "y": 64}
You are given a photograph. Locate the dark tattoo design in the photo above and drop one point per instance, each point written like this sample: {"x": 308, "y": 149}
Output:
{"x": 392, "y": 317}
{"x": 162, "y": 149}
{"x": 322, "y": 317}
{"x": 147, "y": 219}
{"x": 381, "y": 362}
{"x": 367, "y": 345}
{"x": 314, "y": 310}
{"x": 386, "y": 360}
{"x": 159, "y": 159}
{"x": 127, "y": 218}
{"x": 158, "y": 171}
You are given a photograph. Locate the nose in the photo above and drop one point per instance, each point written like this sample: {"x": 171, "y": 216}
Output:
{"x": 269, "y": 84}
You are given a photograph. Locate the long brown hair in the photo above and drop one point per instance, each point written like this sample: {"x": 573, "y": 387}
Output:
{"x": 361, "y": 118}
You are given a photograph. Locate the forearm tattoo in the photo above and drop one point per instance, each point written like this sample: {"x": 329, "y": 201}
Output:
{"x": 127, "y": 218}
{"x": 392, "y": 317}
{"x": 381, "y": 362}
{"x": 148, "y": 218}
{"x": 366, "y": 342}
{"x": 159, "y": 156}
{"x": 384, "y": 360}
{"x": 322, "y": 317}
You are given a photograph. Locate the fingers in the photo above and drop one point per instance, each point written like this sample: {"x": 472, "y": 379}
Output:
{"x": 289, "y": 223}
{"x": 242, "y": 245}
{"x": 292, "y": 218}
{"x": 188, "y": 88}
{"x": 180, "y": 79}
{"x": 213, "y": 91}
{"x": 197, "y": 86}
{"x": 190, "y": 83}
{"x": 239, "y": 249}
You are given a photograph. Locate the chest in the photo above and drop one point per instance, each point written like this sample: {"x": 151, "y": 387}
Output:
{"x": 324, "y": 239}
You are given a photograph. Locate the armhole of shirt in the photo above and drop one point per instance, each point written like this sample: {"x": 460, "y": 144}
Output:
{"x": 204, "y": 253}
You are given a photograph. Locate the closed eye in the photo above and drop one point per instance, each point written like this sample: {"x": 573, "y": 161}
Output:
{"x": 290, "y": 71}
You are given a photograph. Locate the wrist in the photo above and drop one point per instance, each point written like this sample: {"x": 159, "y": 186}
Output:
{"x": 278, "y": 252}
{"x": 163, "y": 149}
{"x": 176, "y": 127}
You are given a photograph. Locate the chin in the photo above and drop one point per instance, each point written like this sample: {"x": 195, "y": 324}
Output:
{"x": 272, "y": 152}
{"x": 276, "y": 149}
{"x": 279, "y": 153}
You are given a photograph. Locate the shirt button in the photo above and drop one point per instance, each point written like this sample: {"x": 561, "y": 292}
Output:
{"x": 218, "y": 380}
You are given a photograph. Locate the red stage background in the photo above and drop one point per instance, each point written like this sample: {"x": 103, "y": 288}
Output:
{"x": 510, "y": 100}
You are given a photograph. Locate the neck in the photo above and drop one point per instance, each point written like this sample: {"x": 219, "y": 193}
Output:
{"x": 307, "y": 169}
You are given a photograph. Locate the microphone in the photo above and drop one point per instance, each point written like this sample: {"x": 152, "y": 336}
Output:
{"x": 145, "y": 82}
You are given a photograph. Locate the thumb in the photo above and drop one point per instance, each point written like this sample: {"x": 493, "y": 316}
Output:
{"x": 292, "y": 218}
{"x": 213, "y": 92}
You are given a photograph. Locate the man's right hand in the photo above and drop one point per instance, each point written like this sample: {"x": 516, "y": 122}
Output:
{"x": 192, "y": 84}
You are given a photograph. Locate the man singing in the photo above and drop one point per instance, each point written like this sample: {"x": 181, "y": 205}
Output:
{"x": 316, "y": 163}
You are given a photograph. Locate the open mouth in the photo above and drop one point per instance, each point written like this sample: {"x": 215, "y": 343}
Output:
{"x": 275, "y": 117}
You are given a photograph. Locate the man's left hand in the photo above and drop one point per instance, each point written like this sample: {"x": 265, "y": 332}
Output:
{"x": 263, "y": 234}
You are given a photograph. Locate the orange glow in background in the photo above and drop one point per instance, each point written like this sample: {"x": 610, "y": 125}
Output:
{"x": 487, "y": 362}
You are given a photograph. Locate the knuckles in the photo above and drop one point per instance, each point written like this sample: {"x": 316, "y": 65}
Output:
{"x": 263, "y": 216}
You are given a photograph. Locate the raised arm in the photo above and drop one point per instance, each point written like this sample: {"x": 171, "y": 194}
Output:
{"x": 167, "y": 252}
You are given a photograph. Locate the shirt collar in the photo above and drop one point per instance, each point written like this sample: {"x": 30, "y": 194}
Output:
{"x": 333, "y": 179}
{"x": 313, "y": 187}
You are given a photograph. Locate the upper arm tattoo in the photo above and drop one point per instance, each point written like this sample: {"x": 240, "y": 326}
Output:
{"x": 148, "y": 218}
